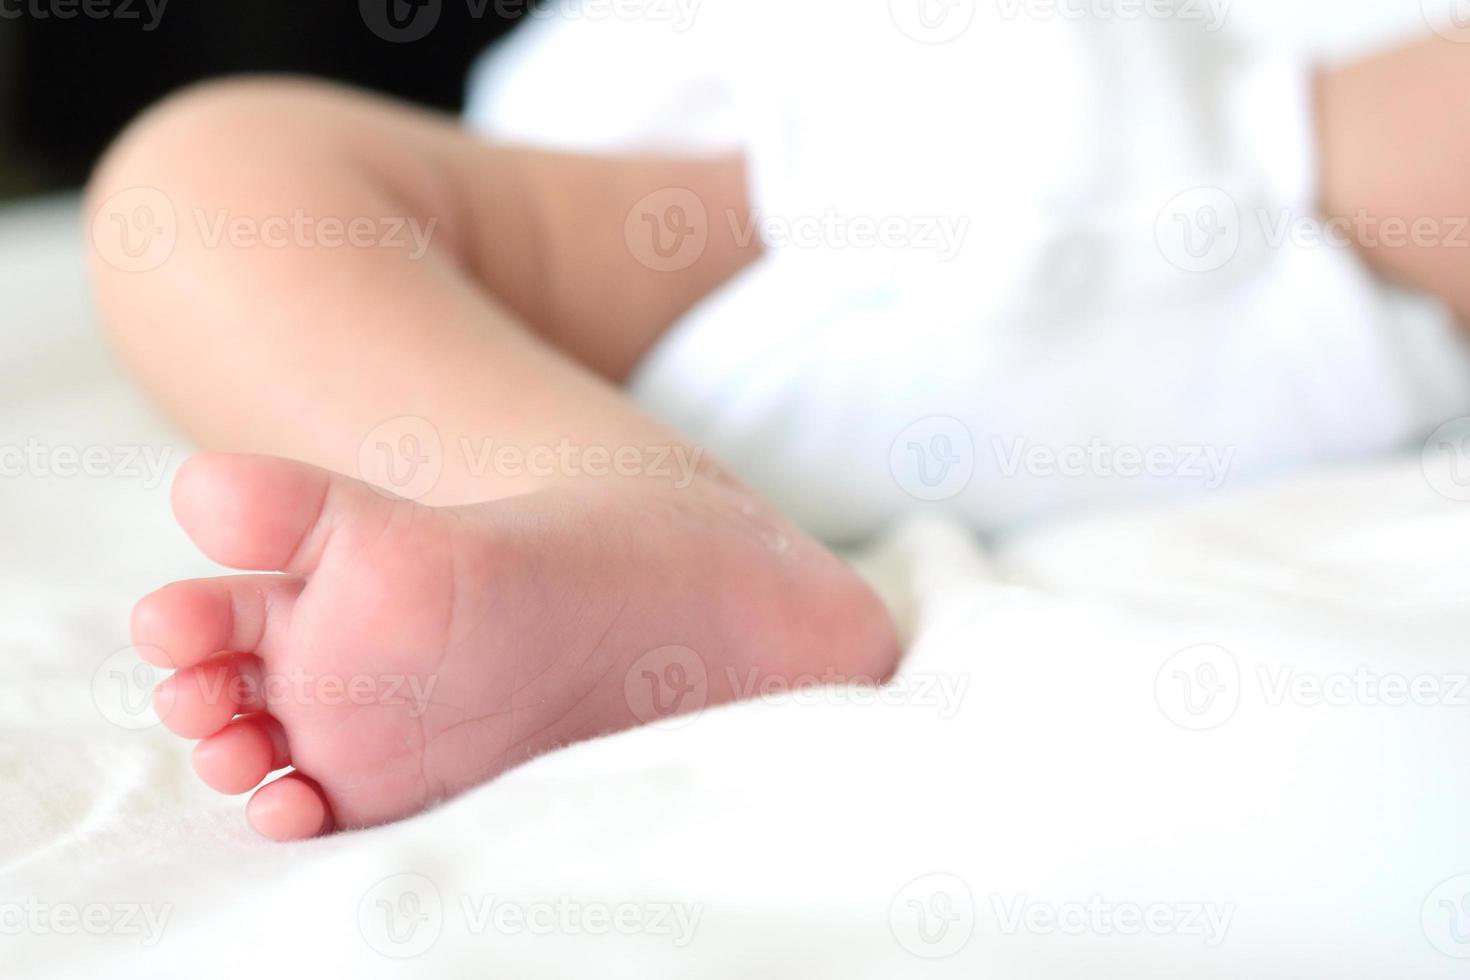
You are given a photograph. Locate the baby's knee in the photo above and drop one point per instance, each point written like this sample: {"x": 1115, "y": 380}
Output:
{"x": 208, "y": 134}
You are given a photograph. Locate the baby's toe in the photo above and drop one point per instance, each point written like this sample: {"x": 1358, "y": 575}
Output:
{"x": 267, "y": 514}
{"x": 185, "y": 622}
{"x": 236, "y": 759}
{"x": 198, "y": 701}
{"x": 290, "y": 808}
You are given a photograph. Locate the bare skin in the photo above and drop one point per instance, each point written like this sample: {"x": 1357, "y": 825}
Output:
{"x": 521, "y": 603}
{"x": 1393, "y": 145}
{"x": 525, "y": 604}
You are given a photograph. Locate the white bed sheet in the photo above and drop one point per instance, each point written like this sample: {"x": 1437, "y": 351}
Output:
{"x": 796, "y": 838}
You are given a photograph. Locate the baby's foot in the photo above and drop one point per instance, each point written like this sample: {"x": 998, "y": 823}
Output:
{"x": 409, "y": 653}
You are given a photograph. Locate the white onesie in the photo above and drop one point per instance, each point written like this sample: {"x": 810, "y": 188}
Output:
{"x": 1023, "y": 256}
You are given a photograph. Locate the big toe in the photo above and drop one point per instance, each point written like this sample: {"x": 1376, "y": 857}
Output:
{"x": 264, "y": 513}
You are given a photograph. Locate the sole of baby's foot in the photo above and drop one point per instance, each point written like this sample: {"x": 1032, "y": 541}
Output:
{"x": 393, "y": 655}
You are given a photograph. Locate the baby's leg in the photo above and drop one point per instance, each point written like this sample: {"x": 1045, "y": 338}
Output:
{"x": 526, "y": 304}
{"x": 1394, "y": 134}
{"x": 408, "y": 653}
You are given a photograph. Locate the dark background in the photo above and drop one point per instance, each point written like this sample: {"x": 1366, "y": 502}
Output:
{"x": 67, "y": 85}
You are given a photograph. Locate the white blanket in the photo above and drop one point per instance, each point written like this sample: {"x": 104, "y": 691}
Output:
{"x": 1040, "y": 794}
